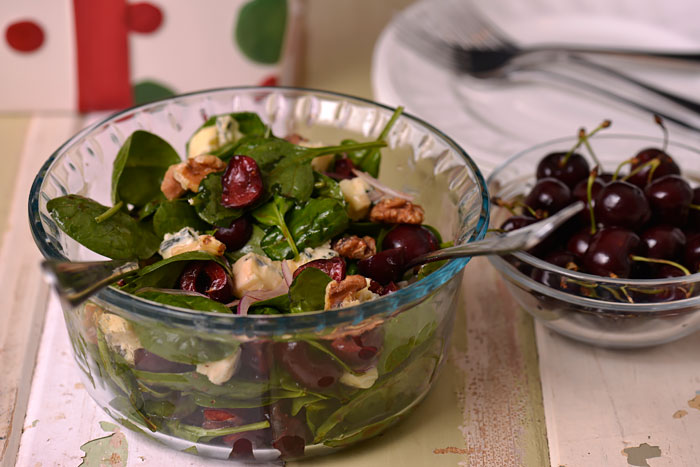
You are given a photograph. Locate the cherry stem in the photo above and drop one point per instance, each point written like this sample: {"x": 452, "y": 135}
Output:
{"x": 695, "y": 206}
{"x": 582, "y": 135}
{"x": 659, "y": 121}
{"x": 510, "y": 206}
{"x": 583, "y": 139}
{"x": 501, "y": 231}
{"x": 654, "y": 163}
{"x": 109, "y": 212}
{"x": 661, "y": 261}
{"x": 619, "y": 167}
{"x": 589, "y": 195}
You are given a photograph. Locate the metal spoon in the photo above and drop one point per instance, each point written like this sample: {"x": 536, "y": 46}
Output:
{"x": 76, "y": 281}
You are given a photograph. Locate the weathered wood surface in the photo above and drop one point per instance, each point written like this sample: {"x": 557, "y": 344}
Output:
{"x": 23, "y": 301}
{"x": 621, "y": 407}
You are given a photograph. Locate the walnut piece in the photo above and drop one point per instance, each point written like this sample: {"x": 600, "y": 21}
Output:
{"x": 189, "y": 174}
{"x": 350, "y": 291}
{"x": 355, "y": 247}
{"x": 170, "y": 187}
{"x": 396, "y": 211}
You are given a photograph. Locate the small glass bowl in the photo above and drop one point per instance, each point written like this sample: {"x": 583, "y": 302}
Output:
{"x": 282, "y": 400}
{"x": 603, "y": 311}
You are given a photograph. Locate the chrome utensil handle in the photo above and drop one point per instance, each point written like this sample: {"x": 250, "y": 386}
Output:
{"x": 537, "y": 74}
{"x": 629, "y": 53}
{"x": 521, "y": 239}
{"x": 682, "y": 101}
{"x": 76, "y": 281}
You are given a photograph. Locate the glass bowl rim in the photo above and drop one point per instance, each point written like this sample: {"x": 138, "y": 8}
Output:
{"x": 580, "y": 276}
{"x": 396, "y": 301}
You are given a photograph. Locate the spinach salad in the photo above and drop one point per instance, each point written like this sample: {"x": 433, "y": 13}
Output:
{"x": 254, "y": 224}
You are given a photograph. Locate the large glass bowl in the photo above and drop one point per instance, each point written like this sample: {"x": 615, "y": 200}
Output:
{"x": 604, "y": 311}
{"x": 279, "y": 401}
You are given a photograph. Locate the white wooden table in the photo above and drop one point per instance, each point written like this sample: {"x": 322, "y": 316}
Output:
{"x": 511, "y": 393}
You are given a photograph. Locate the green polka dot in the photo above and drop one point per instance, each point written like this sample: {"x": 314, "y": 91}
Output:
{"x": 259, "y": 31}
{"x": 149, "y": 91}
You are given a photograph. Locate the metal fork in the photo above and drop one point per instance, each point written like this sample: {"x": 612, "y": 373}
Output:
{"x": 454, "y": 35}
{"x": 521, "y": 239}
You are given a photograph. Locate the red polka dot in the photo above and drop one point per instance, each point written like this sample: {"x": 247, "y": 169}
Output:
{"x": 24, "y": 36}
{"x": 143, "y": 17}
{"x": 269, "y": 81}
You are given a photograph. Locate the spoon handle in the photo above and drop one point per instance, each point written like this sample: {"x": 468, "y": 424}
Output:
{"x": 76, "y": 281}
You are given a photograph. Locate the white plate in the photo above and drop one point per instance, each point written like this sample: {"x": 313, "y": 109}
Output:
{"x": 494, "y": 120}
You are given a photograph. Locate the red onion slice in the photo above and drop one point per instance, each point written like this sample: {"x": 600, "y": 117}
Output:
{"x": 259, "y": 295}
{"x": 287, "y": 273}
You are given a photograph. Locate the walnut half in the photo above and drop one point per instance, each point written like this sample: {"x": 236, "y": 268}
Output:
{"x": 396, "y": 211}
{"x": 352, "y": 290}
{"x": 188, "y": 175}
{"x": 354, "y": 247}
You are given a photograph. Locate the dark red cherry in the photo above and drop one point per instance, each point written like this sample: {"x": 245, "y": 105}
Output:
{"x": 384, "y": 267}
{"x": 667, "y": 166}
{"x": 361, "y": 351}
{"x": 415, "y": 240}
{"x": 517, "y": 222}
{"x": 289, "y": 433}
{"x": 580, "y": 193}
{"x": 335, "y": 267}
{"x": 609, "y": 252}
{"x": 669, "y": 198}
{"x": 549, "y": 194}
{"x": 342, "y": 169}
{"x": 663, "y": 242}
{"x": 691, "y": 255}
{"x": 694, "y": 214}
{"x": 209, "y": 278}
{"x": 147, "y": 361}
{"x": 308, "y": 366}
{"x": 573, "y": 171}
{"x": 578, "y": 242}
{"x": 241, "y": 184}
{"x": 236, "y": 235}
{"x": 563, "y": 259}
{"x": 621, "y": 204}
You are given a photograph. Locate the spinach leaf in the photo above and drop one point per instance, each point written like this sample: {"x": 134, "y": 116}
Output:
{"x": 326, "y": 187}
{"x": 402, "y": 334}
{"x": 165, "y": 273}
{"x": 308, "y": 291}
{"x": 311, "y": 225}
{"x": 371, "y": 159}
{"x": 267, "y": 151}
{"x": 192, "y": 302}
{"x": 272, "y": 214}
{"x": 207, "y": 202}
{"x": 150, "y": 207}
{"x": 373, "y": 229}
{"x": 391, "y": 395}
{"x": 119, "y": 237}
{"x": 198, "y": 434}
{"x": 249, "y": 125}
{"x": 171, "y": 216}
{"x": 200, "y": 386}
{"x": 120, "y": 373}
{"x": 182, "y": 346}
{"x": 223, "y": 402}
{"x": 253, "y": 246}
{"x": 279, "y": 304}
{"x": 139, "y": 168}
{"x": 293, "y": 176}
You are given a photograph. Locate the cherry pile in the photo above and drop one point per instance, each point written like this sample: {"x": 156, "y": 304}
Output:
{"x": 641, "y": 221}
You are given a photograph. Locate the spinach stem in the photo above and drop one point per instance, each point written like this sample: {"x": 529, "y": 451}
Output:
{"x": 346, "y": 148}
{"x": 109, "y": 212}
